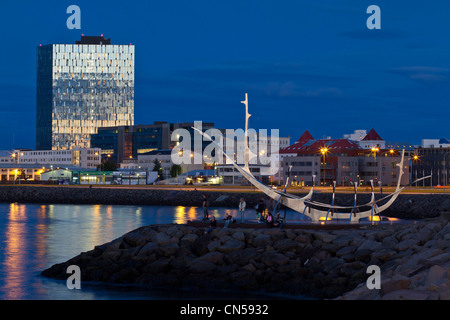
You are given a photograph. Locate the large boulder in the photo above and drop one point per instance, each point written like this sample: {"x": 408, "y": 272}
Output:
{"x": 231, "y": 245}
{"x": 213, "y": 257}
{"x": 262, "y": 240}
{"x": 273, "y": 258}
{"x": 325, "y": 237}
{"x": 201, "y": 266}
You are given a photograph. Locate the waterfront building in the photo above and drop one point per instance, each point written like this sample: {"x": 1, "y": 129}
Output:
{"x": 13, "y": 172}
{"x": 6, "y": 156}
{"x": 372, "y": 140}
{"x": 229, "y": 175}
{"x": 357, "y": 135}
{"x": 26, "y": 164}
{"x": 77, "y": 157}
{"x": 435, "y": 143}
{"x": 343, "y": 161}
{"x": 432, "y": 161}
{"x": 60, "y": 176}
{"x": 264, "y": 151}
{"x": 80, "y": 88}
{"x": 400, "y": 145}
{"x": 290, "y": 151}
{"x": 146, "y": 161}
{"x": 200, "y": 176}
{"x": 128, "y": 142}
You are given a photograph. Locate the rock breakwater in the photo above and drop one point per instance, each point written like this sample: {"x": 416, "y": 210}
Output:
{"x": 414, "y": 260}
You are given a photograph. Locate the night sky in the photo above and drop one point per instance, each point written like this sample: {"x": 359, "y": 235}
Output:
{"x": 306, "y": 65}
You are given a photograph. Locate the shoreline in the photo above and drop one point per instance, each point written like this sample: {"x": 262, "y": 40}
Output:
{"x": 407, "y": 206}
{"x": 321, "y": 264}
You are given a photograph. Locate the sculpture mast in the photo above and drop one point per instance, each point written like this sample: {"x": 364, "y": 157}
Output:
{"x": 246, "y": 154}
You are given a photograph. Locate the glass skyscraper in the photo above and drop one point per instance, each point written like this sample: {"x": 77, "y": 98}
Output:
{"x": 82, "y": 87}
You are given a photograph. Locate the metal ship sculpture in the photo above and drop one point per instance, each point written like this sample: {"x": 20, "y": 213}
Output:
{"x": 318, "y": 212}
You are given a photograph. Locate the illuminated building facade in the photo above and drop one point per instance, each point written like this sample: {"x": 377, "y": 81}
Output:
{"x": 127, "y": 142}
{"x": 80, "y": 88}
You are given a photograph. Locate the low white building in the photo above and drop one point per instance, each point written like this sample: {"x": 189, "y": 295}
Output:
{"x": 357, "y": 135}
{"x": 13, "y": 171}
{"x": 435, "y": 143}
{"x": 147, "y": 161}
{"x": 60, "y": 175}
{"x": 229, "y": 175}
{"x": 88, "y": 158}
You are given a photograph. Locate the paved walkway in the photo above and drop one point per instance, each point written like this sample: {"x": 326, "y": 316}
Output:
{"x": 253, "y": 224}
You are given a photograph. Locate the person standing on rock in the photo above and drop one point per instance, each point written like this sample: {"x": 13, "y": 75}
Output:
{"x": 205, "y": 207}
{"x": 242, "y": 205}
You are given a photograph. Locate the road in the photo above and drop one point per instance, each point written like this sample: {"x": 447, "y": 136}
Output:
{"x": 250, "y": 189}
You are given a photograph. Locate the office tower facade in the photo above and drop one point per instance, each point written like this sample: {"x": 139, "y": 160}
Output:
{"x": 125, "y": 142}
{"x": 80, "y": 88}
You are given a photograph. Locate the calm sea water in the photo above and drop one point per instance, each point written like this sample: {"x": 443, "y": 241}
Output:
{"x": 33, "y": 237}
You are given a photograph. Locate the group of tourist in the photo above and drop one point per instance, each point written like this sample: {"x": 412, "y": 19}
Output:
{"x": 263, "y": 215}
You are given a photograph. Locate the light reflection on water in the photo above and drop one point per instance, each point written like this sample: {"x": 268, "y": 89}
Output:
{"x": 33, "y": 237}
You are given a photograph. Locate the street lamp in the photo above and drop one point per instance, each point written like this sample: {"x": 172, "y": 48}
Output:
{"x": 374, "y": 151}
{"x": 415, "y": 158}
{"x": 18, "y": 155}
{"x": 323, "y": 151}
{"x": 15, "y": 176}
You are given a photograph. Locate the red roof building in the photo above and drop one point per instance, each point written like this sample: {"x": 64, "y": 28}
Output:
{"x": 332, "y": 145}
{"x": 372, "y": 136}
{"x": 371, "y": 140}
{"x": 342, "y": 160}
{"x": 305, "y": 138}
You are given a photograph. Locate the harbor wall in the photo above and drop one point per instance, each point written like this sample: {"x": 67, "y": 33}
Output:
{"x": 407, "y": 206}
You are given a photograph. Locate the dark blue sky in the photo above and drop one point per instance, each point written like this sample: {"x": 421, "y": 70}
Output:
{"x": 305, "y": 64}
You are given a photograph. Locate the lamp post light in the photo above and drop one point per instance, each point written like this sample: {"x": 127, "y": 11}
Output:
{"x": 324, "y": 151}
{"x": 414, "y": 158}
{"x": 15, "y": 176}
{"x": 374, "y": 151}
{"x": 17, "y": 155}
